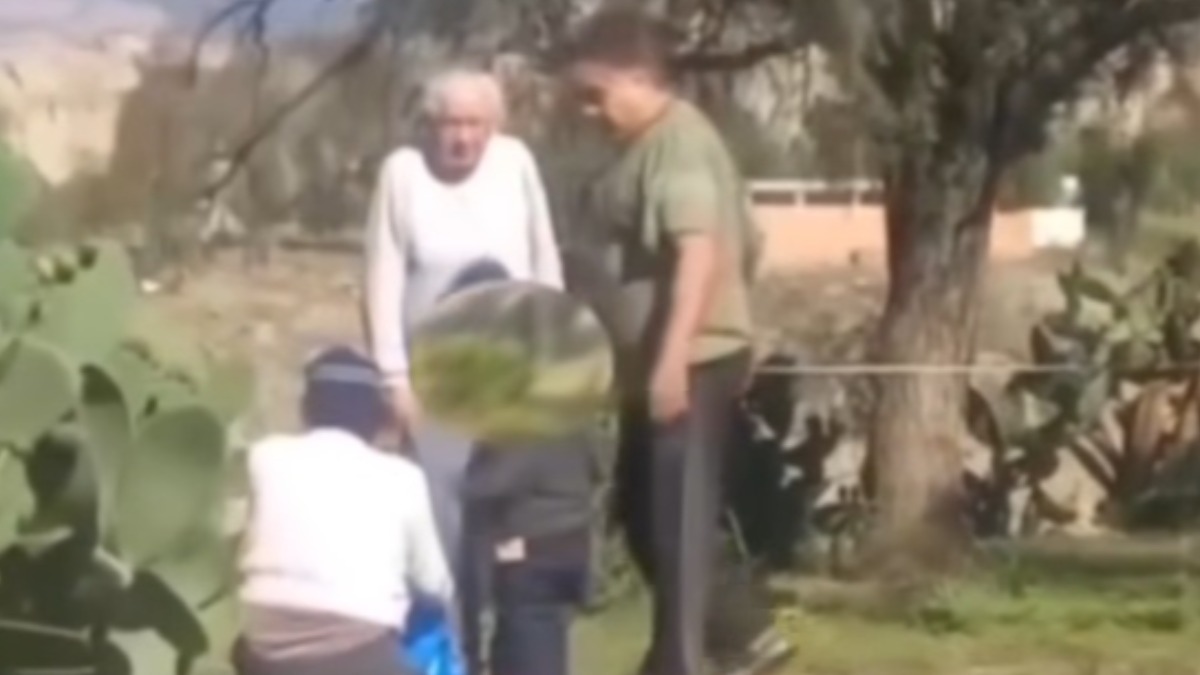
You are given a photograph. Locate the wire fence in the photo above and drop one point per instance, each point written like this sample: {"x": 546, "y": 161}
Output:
{"x": 867, "y": 368}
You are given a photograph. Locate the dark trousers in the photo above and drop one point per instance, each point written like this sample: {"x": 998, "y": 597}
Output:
{"x": 535, "y": 599}
{"x": 474, "y": 579}
{"x": 669, "y": 500}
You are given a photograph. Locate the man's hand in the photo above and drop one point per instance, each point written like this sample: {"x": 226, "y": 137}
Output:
{"x": 691, "y": 291}
{"x": 406, "y": 413}
{"x": 669, "y": 390}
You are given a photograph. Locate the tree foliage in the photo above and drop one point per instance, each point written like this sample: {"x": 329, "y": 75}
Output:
{"x": 953, "y": 94}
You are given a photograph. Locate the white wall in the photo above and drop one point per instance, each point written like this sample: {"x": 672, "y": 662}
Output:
{"x": 1059, "y": 227}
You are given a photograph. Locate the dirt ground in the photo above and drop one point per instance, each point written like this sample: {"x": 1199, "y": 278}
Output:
{"x": 275, "y": 315}
{"x": 278, "y": 314}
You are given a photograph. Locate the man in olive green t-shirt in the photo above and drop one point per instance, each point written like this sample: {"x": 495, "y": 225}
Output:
{"x": 669, "y": 274}
{"x": 675, "y": 197}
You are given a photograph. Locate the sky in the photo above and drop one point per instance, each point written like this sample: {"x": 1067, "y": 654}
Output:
{"x": 83, "y": 17}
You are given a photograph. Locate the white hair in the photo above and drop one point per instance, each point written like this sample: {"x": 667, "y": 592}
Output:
{"x": 445, "y": 85}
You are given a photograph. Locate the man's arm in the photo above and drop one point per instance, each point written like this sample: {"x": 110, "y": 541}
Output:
{"x": 383, "y": 292}
{"x": 684, "y": 209}
{"x": 683, "y": 212}
{"x": 692, "y": 284}
{"x": 547, "y": 262}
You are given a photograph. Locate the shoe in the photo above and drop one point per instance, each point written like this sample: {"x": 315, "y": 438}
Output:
{"x": 768, "y": 652}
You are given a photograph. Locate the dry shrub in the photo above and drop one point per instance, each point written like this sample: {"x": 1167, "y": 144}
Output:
{"x": 824, "y": 318}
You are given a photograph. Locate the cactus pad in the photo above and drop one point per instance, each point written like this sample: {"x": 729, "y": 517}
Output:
{"x": 36, "y": 390}
{"x": 229, "y": 388}
{"x": 85, "y": 313}
{"x": 62, "y": 474}
{"x": 170, "y": 483}
{"x": 109, "y": 429}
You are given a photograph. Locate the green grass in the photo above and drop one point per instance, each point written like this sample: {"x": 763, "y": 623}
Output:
{"x": 1049, "y": 615}
{"x": 1054, "y": 634}
{"x": 611, "y": 643}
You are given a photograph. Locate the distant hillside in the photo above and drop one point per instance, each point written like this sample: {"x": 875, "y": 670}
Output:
{"x": 287, "y": 16}
{"x": 59, "y": 99}
{"x": 19, "y": 19}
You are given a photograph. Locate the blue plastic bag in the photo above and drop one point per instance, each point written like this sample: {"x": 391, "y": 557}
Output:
{"x": 427, "y": 646}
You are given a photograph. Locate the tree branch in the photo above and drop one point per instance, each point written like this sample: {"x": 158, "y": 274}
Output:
{"x": 737, "y": 59}
{"x": 256, "y": 11}
{"x": 351, "y": 55}
{"x": 713, "y": 19}
{"x": 1095, "y": 38}
{"x": 1065, "y": 46}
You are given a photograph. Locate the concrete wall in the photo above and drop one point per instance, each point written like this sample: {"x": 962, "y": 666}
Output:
{"x": 807, "y": 236}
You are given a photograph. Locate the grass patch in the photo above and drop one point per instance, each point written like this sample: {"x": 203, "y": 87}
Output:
{"x": 1028, "y": 618}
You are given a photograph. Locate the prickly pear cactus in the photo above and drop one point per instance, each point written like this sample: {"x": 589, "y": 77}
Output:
{"x": 86, "y": 296}
{"x": 114, "y": 465}
{"x": 36, "y": 390}
{"x": 1127, "y": 339}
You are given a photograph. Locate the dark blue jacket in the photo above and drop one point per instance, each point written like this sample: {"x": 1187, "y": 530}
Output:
{"x": 534, "y": 488}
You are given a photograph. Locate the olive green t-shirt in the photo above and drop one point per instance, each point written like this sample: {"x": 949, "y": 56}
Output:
{"x": 677, "y": 179}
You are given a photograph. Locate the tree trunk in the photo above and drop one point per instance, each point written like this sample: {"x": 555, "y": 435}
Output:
{"x": 1128, "y": 198}
{"x": 1125, "y": 209}
{"x": 938, "y": 225}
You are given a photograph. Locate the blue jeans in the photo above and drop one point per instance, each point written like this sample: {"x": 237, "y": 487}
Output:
{"x": 535, "y": 600}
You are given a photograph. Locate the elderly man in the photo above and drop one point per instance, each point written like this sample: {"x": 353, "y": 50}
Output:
{"x": 465, "y": 198}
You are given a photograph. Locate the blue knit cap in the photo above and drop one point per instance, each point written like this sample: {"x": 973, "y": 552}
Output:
{"x": 343, "y": 390}
{"x": 481, "y": 271}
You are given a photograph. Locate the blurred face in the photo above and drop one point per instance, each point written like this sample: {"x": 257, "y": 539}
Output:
{"x": 619, "y": 99}
{"x": 460, "y": 132}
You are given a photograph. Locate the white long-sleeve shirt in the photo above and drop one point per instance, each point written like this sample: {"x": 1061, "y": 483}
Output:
{"x": 422, "y": 233}
{"x": 338, "y": 527}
